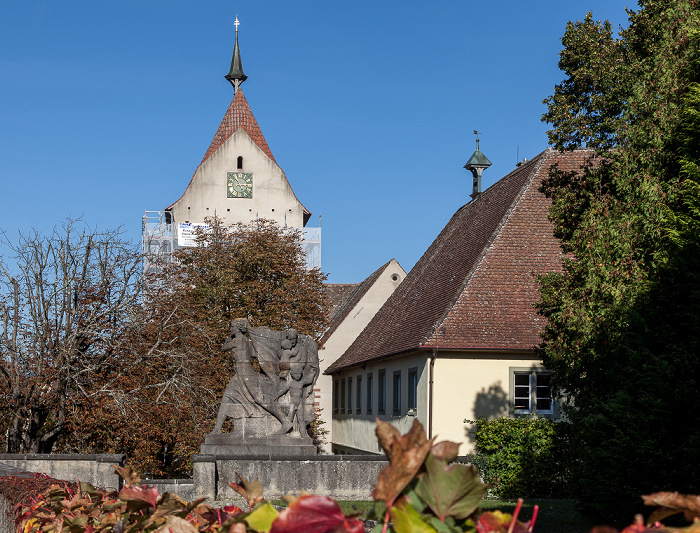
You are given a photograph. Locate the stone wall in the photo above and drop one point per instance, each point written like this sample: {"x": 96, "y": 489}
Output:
{"x": 346, "y": 477}
{"x": 182, "y": 487}
{"x": 96, "y": 469}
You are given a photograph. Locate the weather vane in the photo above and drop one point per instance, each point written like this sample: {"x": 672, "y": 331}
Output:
{"x": 236, "y": 24}
{"x": 476, "y": 132}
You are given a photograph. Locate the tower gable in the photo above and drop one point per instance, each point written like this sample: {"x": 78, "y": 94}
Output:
{"x": 214, "y": 188}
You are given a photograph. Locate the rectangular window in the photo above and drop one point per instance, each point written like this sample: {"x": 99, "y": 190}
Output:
{"x": 358, "y": 395}
{"x": 532, "y": 392}
{"x": 349, "y": 396}
{"x": 335, "y": 395}
{"x": 412, "y": 390}
{"x": 381, "y": 392}
{"x": 342, "y": 396}
{"x": 370, "y": 393}
{"x": 396, "y": 393}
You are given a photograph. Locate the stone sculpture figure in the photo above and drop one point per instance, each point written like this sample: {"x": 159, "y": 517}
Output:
{"x": 277, "y": 400}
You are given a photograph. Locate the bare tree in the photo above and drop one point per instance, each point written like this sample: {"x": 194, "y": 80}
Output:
{"x": 65, "y": 299}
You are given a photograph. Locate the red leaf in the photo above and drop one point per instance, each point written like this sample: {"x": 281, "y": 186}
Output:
{"x": 147, "y": 494}
{"x": 499, "y": 523}
{"x": 233, "y": 510}
{"x": 315, "y": 514}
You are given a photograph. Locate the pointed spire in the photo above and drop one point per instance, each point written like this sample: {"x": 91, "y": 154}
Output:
{"x": 236, "y": 76}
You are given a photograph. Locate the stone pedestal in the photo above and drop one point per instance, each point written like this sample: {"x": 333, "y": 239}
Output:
{"x": 268, "y": 446}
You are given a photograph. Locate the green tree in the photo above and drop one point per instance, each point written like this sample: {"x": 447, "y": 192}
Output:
{"x": 623, "y": 326}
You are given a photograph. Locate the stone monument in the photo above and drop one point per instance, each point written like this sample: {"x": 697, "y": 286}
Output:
{"x": 270, "y": 398}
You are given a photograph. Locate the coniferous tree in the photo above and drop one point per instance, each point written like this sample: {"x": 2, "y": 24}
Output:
{"x": 623, "y": 321}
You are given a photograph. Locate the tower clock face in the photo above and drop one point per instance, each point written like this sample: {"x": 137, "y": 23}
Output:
{"x": 240, "y": 185}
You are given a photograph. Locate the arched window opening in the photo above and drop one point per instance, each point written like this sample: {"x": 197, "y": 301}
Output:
{"x": 240, "y": 162}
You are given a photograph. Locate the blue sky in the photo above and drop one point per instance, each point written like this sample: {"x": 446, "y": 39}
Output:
{"x": 106, "y": 108}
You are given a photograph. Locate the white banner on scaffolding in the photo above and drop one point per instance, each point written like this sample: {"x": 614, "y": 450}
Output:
{"x": 187, "y": 233}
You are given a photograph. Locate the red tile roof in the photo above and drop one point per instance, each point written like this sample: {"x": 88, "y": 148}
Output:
{"x": 238, "y": 115}
{"x": 341, "y": 309}
{"x": 338, "y": 294}
{"x": 475, "y": 285}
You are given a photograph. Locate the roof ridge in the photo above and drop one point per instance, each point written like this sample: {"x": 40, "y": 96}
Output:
{"x": 423, "y": 301}
{"x": 358, "y": 292}
{"x": 537, "y": 165}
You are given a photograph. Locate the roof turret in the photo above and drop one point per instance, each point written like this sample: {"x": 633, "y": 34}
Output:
{"x": 477, "y": 163}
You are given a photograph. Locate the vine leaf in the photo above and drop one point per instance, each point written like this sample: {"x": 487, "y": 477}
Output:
{"x": 406, "y": 454}
{"x": 262, "y": 517}
{"x": 175, "y": 524}
{"x": 407, "y": 520}
{"x": 127, "y": 473}
{"x": 141, "y": 495}
{"x": 450, "y": 489}
{"x": 671, "y": 503}
{"x": 315, "y": 514}
{"x": 499, "y": 522}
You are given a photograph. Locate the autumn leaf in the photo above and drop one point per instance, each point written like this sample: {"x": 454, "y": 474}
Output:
{"x": 406, "y": 454}
{"x": 145, "y": 494}
{"x": 315, "y": 514}
{"x": 671, "y": 503}
{"x": 131, "y": 477}
{"x": 445, "y": 450}
{"x": 498, "y": 522}
{"x": 175, "y": 524}
{"x": 252, "y": 491}
{"x": 450, "y": 489}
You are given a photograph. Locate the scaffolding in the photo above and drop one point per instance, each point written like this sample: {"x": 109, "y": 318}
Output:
{"x": 159, "y": 240}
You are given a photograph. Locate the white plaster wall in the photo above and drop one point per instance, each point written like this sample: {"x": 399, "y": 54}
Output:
{"x": 207, "y": 194}
{"x": 468, "y": 386}
{"x": 357, "y": 431}
{"x": 346, "y": 333}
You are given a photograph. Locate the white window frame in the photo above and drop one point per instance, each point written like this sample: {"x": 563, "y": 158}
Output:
{"x": 532, "y": 393}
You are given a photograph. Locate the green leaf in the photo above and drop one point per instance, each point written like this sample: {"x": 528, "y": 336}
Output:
{"x": 450, "y": 489}
{"x": 407, "y": 520}
{"x": 262, "y": 516}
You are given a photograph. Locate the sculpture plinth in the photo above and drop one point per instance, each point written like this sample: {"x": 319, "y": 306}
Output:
{"x": 270, "y": 398}
{"x": 272, "y": 446}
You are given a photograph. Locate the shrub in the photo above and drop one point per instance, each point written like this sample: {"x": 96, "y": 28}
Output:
{"x": 522, "y": 456}
{"x": 424, "y": 492}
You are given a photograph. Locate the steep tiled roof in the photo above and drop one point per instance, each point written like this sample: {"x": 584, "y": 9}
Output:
{"x": 475, "y": 285}
{"x": 238, "y": 116}
{"x": 338, "y": 294}
{"x": 340, "y": 312}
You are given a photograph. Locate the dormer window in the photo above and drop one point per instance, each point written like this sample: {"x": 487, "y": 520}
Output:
{"x": 239, "y": 164}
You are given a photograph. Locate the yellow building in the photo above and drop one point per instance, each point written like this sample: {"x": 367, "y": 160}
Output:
{"x": 455, "y": 341}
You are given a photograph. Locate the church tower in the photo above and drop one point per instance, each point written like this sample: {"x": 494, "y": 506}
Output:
{"x": 238, "y": 180}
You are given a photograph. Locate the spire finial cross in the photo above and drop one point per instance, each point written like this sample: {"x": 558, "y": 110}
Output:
{"x": 236, "y": 24}
{"x": 476, "y": 132}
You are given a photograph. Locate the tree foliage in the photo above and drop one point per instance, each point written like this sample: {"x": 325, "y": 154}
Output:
{"x": 159, "y": 413}
{"x": 65, "y": 301}
{"x": 255, "y": 271}
{"x": 623, "y": 318}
